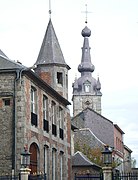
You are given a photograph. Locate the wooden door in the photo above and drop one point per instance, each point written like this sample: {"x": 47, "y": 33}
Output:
{"x": 33, "y": 158}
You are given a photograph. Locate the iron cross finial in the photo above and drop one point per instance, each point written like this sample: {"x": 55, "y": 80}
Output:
{"x": 86, "y": 14}
{"x": 50, "y": 9}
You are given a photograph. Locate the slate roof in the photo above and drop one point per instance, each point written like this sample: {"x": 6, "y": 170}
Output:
{"x": 50, "y": 52}
{"x": 79, "y": 159}
{"x": 6, "y": 63}
{"x": 100, "y": 126}
{"x": 85, "y": 135}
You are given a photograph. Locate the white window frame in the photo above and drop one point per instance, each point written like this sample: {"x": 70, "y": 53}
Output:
{"x": 53, "y": 164}
{"x": 53, "y": 112}
{"x": 33, "y": 100}
{"x": 46, "y": 160}
{"x": 45, "y": 107}
{"x": 87, "y": 88}
{"x": 60, "y": 113}
{"x": 61, "y": 165}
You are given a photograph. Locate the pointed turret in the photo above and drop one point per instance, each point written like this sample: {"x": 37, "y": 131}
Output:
{"x": 50, "y": 52}
{"x": 50, "y": 64}
{"x": 86, "y": 89}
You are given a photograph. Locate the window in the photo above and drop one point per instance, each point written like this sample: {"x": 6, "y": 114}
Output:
{"x": 87, "y": 87}
{"x": 61, "y": 156}
{"x": 61, "y": 116}
{"x": 45, "y": 108}
{"x": 61, "y": 123}
{"x": 45, "y": 114}
{"x": 6, "y": 102}
{"x": 53, "y": 113}
{"x": 33, "y": 100}
{"x": 46, "y": 161}
{"x": 59, "y": 78}
{"x": 54, "y": 164}
{"x": 33, "y": 106}
{"x": 53, "y": 116}
{"x": 66, "y": 81}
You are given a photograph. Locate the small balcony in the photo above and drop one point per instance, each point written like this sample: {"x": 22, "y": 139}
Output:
{"x": 54, "y": 129}
{"x": 33, "y": 119}
{"x": 46, "y": 125}
{"x": 61, "y": 133}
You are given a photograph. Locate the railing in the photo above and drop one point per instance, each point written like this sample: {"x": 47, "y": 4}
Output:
{"x": 46, "y": 125}
{"x": 33, "y": 119}
{"x": 9, "y": 177}
{"x": 89, "y": 177}
{"x": 54, "y": 129}
{"x": 37, "y": 177}
{"x": 61, "y": 133}
{"x": 125, "y": 176}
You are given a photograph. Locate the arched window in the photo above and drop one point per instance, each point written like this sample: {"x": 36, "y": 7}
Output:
{"x": 61, "y": 156}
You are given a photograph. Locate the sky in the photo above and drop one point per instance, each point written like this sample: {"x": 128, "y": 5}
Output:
{"x": 113, "y": 42}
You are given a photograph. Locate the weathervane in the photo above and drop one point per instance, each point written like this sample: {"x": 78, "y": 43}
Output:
{"x": 50, "y": 9}
{"x": 86, "y": 13}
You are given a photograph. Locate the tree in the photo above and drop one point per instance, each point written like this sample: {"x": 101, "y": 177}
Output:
{"x": 93, "y": 154}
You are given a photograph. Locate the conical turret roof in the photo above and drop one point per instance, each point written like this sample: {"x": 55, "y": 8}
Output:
{"x": 50, "y": 52}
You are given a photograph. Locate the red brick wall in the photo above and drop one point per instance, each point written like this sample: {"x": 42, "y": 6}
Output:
{"x": 46, "y": 76}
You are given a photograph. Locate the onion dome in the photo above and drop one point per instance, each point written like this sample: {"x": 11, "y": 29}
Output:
{"x": 86, "y": 32}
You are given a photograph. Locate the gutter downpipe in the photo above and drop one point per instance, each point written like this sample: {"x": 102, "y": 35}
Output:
{"x": 14, "y": 124}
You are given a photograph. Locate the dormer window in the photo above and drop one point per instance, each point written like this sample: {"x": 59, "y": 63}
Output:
{"x": 87, "y": 86}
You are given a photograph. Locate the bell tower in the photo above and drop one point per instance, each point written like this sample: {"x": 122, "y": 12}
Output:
{"x": 86, "y": 89}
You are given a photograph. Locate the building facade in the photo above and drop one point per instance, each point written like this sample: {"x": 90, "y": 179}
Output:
{"x": 34, "y": 112}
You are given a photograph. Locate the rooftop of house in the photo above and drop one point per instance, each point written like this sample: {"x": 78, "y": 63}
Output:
{"x": 79, "y": 159}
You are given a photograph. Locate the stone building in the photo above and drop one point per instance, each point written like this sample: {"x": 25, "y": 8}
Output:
{"x": 34, "y": 112}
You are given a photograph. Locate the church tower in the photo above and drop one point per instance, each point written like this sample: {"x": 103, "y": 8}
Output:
{"x": 50, "y": 64}
{"x": 86, "y": 89}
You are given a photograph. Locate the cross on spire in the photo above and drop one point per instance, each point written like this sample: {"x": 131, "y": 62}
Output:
{"x": 86, "y": 13}
{"x": 50, "y": 9}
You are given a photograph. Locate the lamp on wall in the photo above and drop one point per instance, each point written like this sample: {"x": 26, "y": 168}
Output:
{"x": 107, "y": 156}
{"x": 25, "y": 158}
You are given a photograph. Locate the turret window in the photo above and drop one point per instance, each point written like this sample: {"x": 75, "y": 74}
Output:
{"x": 87, "y": 87}
{"x": 59, "y": 78}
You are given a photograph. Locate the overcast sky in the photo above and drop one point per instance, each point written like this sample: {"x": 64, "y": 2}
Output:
{"x": 114, "y": 44}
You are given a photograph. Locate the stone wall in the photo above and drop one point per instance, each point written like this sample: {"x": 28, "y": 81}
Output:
{"x": 26, "y": 134}
{"x": 6, "y": 122}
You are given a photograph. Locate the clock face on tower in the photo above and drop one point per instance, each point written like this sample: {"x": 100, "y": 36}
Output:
{"x": 87, "y": 103}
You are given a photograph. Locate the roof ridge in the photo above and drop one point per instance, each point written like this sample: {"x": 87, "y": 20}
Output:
{"x": 88, "y": 129}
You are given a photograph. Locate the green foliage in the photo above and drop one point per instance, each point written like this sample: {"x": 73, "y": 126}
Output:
{"x": 93, "y": 154}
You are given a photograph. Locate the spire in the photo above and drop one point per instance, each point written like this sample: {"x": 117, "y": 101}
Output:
{"x": 50, "y": 52}
{"x": 86, "y": 65}
{"x": 98, "y": 87}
